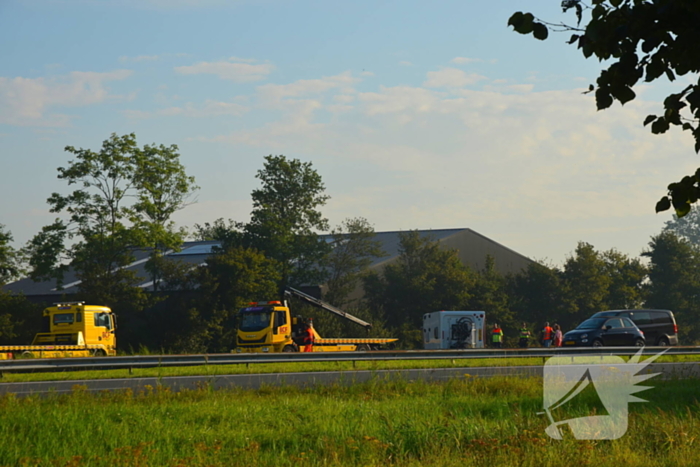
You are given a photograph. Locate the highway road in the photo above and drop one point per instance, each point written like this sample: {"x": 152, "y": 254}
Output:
{"x": 307, "y": 379}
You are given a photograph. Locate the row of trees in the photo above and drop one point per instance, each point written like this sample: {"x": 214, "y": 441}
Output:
{"x": 127, "y": 195}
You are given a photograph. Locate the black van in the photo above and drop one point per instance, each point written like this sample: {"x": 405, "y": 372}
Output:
{"x": 659, "y": 326}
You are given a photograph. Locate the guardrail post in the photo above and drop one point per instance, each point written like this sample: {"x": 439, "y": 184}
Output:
{"x": 131, "y": 370}
{"x": 353, "y": 364}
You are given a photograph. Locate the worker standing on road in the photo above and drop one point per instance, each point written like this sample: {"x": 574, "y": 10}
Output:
{"x": 524, "y": 336}
{"x": 557, "y": 336}
{"x": 496, "y": 336}
{"x": 547, "y": 335}
{"x": 309, "y": 338}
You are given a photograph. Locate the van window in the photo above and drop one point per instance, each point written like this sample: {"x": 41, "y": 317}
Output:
{"x": 641, "y": 317}
{"x": 660, "y": 317}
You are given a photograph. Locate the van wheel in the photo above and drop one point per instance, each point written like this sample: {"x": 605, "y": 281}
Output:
{"x": 639, "y": 343}
{"x": 289, "y": 348}
{"x": 597, "y": 343}
{"x": 663, "y": 342}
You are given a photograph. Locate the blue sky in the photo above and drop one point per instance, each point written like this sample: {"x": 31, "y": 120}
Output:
{"x": 416, "y": 114}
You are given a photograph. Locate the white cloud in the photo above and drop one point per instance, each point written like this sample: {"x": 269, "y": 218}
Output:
{"x": 521, "y": 87}
{"x": 237, "y": 71}
{"x": 275, "y": 93}
{"x": 26, "y": 101}
{"x": 210, "y": 108}
{"x": 543, "y": 168}
{"x": 465, "y": 60}
{"x": 451, "y": 78}
{"x": 405, "y": 63}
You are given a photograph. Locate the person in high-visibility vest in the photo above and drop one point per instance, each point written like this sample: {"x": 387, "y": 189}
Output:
{"x": 496, "y": 336}
{"x": 524, "y": 336}
{"x": 547, "y": 335}
{"x": 308, "y": 338}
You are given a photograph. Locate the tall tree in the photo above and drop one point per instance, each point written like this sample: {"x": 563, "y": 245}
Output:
{"x": 285, "y": 220}
{"x": 588, "y": 282}
{"x": 640, "y": 39}
{"x": 627, "y": 276}
{"x": 674, "y": 282}
{"x": 540, "y": 294}
{"x": 490, "y": 294}
{"x": 353, "y": 249}
{"x": 10, "y": 262}
{"x": 687, "y": 227}
{"x": 96, "y": 215}
{"x": 162, "y": 188}
{"x": 102, "y": 225}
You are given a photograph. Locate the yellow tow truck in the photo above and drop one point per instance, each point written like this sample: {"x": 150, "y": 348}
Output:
{"x": 74, "y": 330}
{"x": 267, "y": 327}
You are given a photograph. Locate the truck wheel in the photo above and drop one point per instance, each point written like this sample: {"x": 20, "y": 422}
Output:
{"x": 99, "y": 353}
{"x": 289, "y": 348}
{"x": 27, "y": 354}
{"x": 363, "y": 348}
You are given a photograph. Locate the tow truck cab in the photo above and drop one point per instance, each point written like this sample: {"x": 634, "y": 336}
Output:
{"x": 74, "y": 323}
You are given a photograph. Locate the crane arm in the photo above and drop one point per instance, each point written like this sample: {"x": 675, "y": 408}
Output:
{"x": 330, "y": 308}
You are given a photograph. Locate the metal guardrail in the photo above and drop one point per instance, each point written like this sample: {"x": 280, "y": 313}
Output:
{"x": 154, "y": 361}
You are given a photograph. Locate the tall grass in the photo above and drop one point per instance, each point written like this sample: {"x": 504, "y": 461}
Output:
{"x": 466, "y": 422}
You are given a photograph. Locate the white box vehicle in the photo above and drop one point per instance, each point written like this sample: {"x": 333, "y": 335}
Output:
{"x": 454, "y": 330}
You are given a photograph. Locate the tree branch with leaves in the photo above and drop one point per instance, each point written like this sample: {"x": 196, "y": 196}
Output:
{"x": 644, "y": 40}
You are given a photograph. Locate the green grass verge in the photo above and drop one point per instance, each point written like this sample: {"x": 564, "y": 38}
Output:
{"x": 463, "y": 422}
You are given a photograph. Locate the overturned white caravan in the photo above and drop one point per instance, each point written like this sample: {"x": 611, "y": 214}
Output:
{"x": 454, "y": 330}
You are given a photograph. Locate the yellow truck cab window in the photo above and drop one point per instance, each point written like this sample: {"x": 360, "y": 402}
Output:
{"x": 254, "y": 321}
{"x": 63, "y": 318}
{"x": 102, "y": 319}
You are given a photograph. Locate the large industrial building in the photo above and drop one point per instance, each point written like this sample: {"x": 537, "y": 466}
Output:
{"x": 472, "y": 249}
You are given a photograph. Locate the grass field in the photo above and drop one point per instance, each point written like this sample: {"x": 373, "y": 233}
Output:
{"x": 464, "y": 422}
{"x": 290, "y": 368}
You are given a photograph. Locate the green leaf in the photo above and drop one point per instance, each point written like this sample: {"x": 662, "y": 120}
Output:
{"x": 659, "y": 126}
{"x": 624, "y": 94}
{"x": 683, "y": 210}
{"x": 540, "y": 31}
{"x": 516, "y": 19}
{"x": 649, "y": 119}
{"x": 522, "y": 23}
{"x": 603, "y": 99}
{"x": 664, "y": 204}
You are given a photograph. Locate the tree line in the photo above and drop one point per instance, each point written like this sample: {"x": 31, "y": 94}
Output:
{"x": 123, "y": 201}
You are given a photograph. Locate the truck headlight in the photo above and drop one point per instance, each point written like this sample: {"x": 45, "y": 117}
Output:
{"x": 265, "y": 349}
